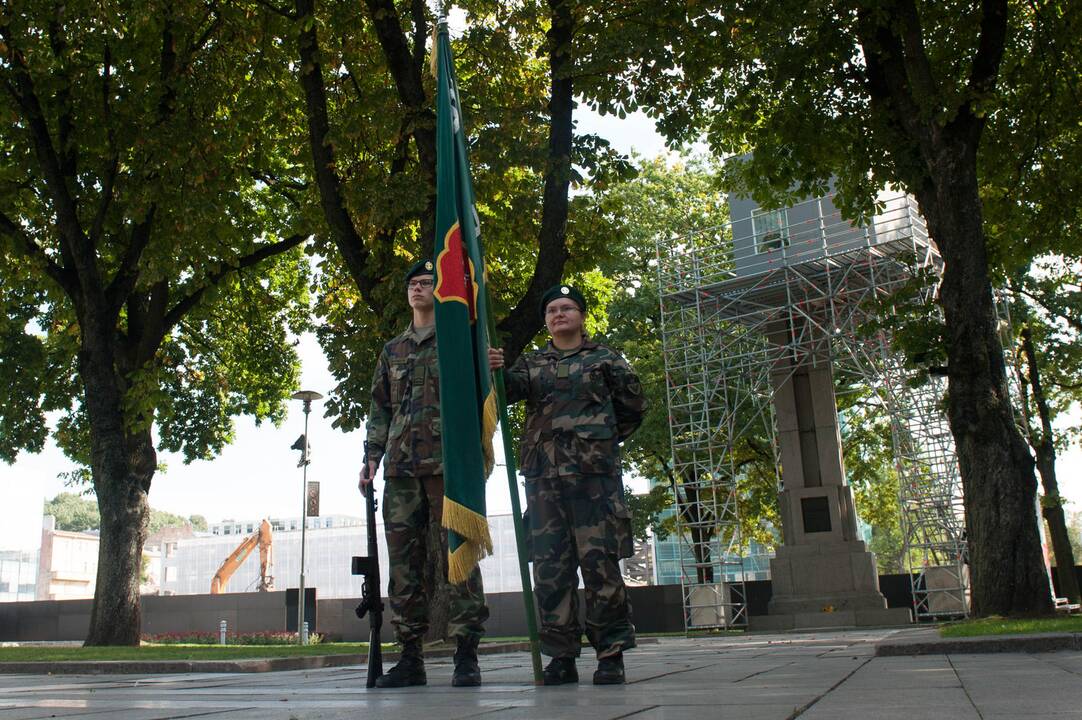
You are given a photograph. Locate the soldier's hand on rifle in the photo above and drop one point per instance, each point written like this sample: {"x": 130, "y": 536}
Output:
{"x": 367, "y": 473}
{"x": 495, "y": 358}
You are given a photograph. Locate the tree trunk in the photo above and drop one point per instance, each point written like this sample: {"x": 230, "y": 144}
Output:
{"x": 1007, "y": 570}
{"x": 522, "y": 323}
{"x": 1052, "y": 503}
{"x": 700, "y": 537}
{"x": 115, "y": 615}
{"x": 122, "y": 465}
{"x": 439, "y": 600}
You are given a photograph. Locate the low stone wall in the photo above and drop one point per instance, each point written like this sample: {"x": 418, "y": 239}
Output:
{"x": 69, "y": 619}
{"x": 657, "y": 608}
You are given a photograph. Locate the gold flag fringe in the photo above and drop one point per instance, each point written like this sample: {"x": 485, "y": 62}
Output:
{"x": 489, "y": 417}
{"x": 474, "y": 528}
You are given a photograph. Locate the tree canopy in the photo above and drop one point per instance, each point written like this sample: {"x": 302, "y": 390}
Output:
{"x": 78, "y": 513}
{"x": 137, "y": 141}
{"x": 904, "y": 93}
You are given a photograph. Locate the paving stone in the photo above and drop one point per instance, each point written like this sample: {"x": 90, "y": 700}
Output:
{"x": 813, "y": 676}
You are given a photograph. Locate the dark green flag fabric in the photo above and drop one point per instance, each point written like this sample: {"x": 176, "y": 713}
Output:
{"x": 467, "y": 399}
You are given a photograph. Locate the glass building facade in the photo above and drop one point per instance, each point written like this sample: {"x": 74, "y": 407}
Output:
{"x": 18, "y": 575}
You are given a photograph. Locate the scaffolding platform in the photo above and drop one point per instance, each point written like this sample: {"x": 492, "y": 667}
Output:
{"x": 734, "y": 309}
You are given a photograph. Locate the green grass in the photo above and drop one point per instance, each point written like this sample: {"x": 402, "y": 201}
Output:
{"x": 179, "y": 652}
{"x": 1005, "y": 626}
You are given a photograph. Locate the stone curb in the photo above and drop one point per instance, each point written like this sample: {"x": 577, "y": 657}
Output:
{"x": 1048, "y": 642}
{"x": 255, "y": 665}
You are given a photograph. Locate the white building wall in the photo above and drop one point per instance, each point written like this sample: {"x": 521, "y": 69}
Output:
{"x": 327, "y": 563}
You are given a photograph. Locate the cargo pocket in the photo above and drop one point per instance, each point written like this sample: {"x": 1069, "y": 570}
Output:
{"x": 619, "y": 519}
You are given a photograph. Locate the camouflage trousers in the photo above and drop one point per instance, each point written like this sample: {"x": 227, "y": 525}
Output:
{"x": 409, "y": 505}
{"x": 580, "y": 523}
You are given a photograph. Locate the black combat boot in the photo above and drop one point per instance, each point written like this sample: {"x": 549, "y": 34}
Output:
{"x": 410, "y": 669}
{"x": 610, "y": 670}
{"x": 561, "y": 671}
{"x": 467, "y": 672}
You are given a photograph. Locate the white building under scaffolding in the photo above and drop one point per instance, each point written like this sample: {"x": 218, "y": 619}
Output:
{"x": 190, "y": 563}
{"x": 725, "y": 293}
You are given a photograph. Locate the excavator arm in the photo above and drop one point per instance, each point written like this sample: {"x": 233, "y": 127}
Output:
{"x": 266, "y": 582}
{"x": 261, "y": 538}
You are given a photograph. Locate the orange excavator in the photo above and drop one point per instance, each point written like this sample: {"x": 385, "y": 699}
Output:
{"x": 260, "y": 538}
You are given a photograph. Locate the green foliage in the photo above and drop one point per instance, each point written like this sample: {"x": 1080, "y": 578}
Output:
{"x": 1032, "y": 153}
{"x": 73, "y": 513}
{"x": 1047, "y": 299}
{"x": 869, "y": 466}
{"x": 159, "y": 520}
{"x": 244, "y": 639}
{"x": 504, "y": 84}
{"x": 790, "y": 80}
{"x": 169, "y": 140}
{"x": 236, "y": 357}
{"x": 662, "y": 199}
{"x": 646, "y": 511}
{"x": 1074, "y": 531}
{"x": 79, "y": 513}
{"x": 144, "y": 570}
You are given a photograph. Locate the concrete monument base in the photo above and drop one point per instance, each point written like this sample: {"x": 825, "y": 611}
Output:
{"x": 828, "y": 584}
{"x": 887, "y": 617}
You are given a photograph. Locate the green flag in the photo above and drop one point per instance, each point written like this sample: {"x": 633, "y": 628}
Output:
{"x": 467, "y": 401}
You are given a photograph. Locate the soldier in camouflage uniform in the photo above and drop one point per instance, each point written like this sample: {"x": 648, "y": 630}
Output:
{"x": 404, "y": 432}
{"x": 582, "y": 401}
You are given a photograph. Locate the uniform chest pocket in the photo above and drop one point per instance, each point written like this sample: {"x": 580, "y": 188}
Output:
{"x": 425, "y": 375}
{"x": 399, "y": 375}
{"x": 592, "y": 385}
{"x": 542, "y": 381}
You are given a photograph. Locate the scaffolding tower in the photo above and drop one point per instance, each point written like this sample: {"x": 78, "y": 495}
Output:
{"x": 737, "y": 304}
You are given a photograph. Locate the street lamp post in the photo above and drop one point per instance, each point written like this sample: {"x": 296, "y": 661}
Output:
{"x": 307, "y": 396}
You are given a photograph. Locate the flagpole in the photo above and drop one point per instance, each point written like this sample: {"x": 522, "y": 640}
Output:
{"x": 516, "y": 516}
{"x": 438, "y": 8}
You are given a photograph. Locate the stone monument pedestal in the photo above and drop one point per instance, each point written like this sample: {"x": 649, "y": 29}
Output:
{"x": 823, "y": 575}
{"x": 826, "y": 585}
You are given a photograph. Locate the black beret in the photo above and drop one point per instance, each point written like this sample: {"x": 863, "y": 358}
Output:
{"x": 421, "y": 267}
{"x": 562, "y": 291}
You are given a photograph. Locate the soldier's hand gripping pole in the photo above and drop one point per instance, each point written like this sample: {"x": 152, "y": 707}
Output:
{"x": 371, "y": 599}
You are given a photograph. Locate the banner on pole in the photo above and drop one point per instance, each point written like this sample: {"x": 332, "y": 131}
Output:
{"x": 467, "y": 400}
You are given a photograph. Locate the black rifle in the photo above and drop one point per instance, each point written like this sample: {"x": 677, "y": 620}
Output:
{"x": 371, "y": 600}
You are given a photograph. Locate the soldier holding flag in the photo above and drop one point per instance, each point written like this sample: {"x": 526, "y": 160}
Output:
{"x": 582, "y": 401}
{"x": 404, "y": 431}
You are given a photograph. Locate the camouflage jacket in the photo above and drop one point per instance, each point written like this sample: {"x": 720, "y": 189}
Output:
{"x": 404, "y": 421}
{"x": 579, "y": 407}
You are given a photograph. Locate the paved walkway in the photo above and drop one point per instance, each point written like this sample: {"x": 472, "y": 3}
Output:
{"x": 813, "y": 676}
